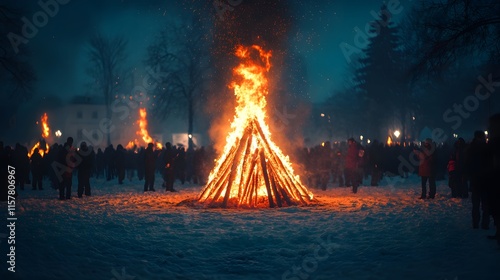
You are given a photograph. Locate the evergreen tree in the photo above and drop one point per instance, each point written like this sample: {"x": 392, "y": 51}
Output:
{"x": 379, "y": 78}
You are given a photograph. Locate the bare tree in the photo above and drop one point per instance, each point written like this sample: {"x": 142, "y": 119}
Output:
{"x": 106, "y": 56}
{"x": 450, "y": 30}
{"x": 181, "y": 54}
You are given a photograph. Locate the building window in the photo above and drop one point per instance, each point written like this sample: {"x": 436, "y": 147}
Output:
{"x": 79, "y": 115}
{"x": 79, "y": 134}
{"x": 94, "y": 115}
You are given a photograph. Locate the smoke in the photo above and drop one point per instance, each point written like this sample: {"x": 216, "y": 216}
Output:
{"x": 267, "y": 24}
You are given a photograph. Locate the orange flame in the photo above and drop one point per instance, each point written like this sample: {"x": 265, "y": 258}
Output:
{"x": 143, "y": 131}
{"x": 143, "y": 126}
{"x": 389, "y": 141}
{"x": 45, "y": 133}
{"x": 41, "y": 151}
{"x": 45, "y": 126}
{"x": 252, "y": 169}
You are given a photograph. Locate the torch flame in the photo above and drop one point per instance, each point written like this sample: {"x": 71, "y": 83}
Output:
{"x": 252, "y": 169}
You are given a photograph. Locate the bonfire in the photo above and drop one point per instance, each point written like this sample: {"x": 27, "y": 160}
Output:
{"x": 252, "y": 171}
{"x": 42, "y": 145}
{"x": 143, "y": 132}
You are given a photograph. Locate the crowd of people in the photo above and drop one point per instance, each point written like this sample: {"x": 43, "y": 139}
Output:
{"x": 63, "y": 162}
{"x": 471, "y": 168}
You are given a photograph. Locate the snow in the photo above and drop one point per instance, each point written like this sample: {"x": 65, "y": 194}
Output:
{"x": 120, "y": 232}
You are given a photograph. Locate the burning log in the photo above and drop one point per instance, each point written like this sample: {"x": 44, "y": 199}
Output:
{"x": 252, "y": 171}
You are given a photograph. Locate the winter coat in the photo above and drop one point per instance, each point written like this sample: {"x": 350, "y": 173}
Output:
{"x": 352, "y": 157}
{"x": 426, "y": 167}
{"x": 476, "y": 159}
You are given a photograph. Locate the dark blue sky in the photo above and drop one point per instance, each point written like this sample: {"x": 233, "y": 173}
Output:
{"x": 59, "y": 54}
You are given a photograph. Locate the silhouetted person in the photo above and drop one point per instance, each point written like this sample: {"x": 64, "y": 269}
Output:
{"x": 169, "y": 157}
{"x": 120, "y": 156}
{"x": 324, "y": 166}
{"x": 180, "y": 165}
{"x": 476, "y": 168}
{"x": 5, "y": 160}
{"x": 99, "y": 163}
{"x": 457, "y": 177}
{"x": 426, "y": 168}
{"x": 21, "y": 162}
{"x": 86, "y": 157}
{"x": 36, "y": 169}
{"x": 149, "y": 168}
{"x": 338, "y": 167}
{"x": 140, "y": 163}
{"x": 109, "y": 162}
{"x": 67, "y": 160}
{"x": 375, "y": 152}
{"x": 351, "y": 165}
{"x": 131, "y": 162}
{"x": 493, "y": 186}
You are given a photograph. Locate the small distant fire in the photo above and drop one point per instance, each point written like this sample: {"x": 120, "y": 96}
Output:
{"x": 45, "y": 126}
{"x": 44, "y": 122}
{"x": 389, "y": 141}
{"x": 143, "y": 132}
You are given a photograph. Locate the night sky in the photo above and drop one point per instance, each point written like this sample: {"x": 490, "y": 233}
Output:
{"x": 59, "y": 49}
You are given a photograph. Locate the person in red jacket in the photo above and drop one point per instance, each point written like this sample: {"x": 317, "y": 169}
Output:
{"x": 426, "y": 168}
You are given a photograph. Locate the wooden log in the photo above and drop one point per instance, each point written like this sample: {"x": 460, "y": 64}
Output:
{"x": 215, "y": 187}
{"x": 266, "y": 179}
{"x": 251, "y": 171}
{"x": 272, "y": 155}
{"x": 236, "y": 161}
{"x": 219, "y": 173}
{"x": 245, "y": 172}
{"x": 277, "y": 194}
{"x": 281, "y": 190}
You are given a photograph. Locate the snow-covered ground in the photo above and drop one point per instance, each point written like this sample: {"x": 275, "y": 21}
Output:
{"x": 121, "y": 233}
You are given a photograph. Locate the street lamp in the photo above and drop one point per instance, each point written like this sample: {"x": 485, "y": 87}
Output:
{"x": 397, "y": 133}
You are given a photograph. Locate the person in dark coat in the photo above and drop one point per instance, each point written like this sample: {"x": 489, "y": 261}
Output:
{"x": 86, "y": 156}
{"x": 458, "y": 182}
{"x": 6, "y": 160}
{"x": 351, "y": 165}
{"x": 493, "y": 186}
{"x": 120, "y": 157}
{"x": 140, "y": 163}
{"x": 375, "y": 153}
{"x": 149, "y": 168}
{"x": 67, "y": 160}
{"x": 109, "y": 162}
{"x": 426, "y": 168}
{"x": 99, "y": 163}
{"x": 21, "y": 161}
{"x": 180, "y": 165}
{"x": 36, "y": 169}
{"x": 169, "y": 156}
{"x": 476, "y": 160}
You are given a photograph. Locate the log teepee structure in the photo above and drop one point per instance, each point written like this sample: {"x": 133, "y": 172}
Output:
{"x": 252, "y": 171}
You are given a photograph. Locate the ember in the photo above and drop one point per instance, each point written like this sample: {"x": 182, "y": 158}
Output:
{"x": 252, "y": 171}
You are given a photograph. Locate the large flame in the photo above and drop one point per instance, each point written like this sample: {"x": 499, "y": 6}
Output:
{"x": 143, "y": 132}
{"x": 45, "y": 134}
{"x": 252, "y": 171}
